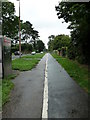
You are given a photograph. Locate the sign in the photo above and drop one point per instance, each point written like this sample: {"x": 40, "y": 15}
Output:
{"x": 7, "y": 42}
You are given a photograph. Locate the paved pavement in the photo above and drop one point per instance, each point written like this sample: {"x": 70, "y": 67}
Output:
{"x": 26, "y": 98}
{"x": 65, "y": 98}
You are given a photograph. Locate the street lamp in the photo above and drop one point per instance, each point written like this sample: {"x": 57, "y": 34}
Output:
{"x": 19, "y": 32}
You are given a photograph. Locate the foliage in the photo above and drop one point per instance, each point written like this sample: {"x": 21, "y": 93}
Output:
{"x": 77, "y": 71}
{"x": 15, "y": 48}
{"x": 50, "y": 43}
{"x": 28, "y": 31}
{"x": 61, "y": 41}
{"x": 58, "y": 42}
{"x": 27, "y": 48}
{"x": 10, "y": 22}
{"x": 10, "y": 25}
{"x": 71, "y": 51}
{"x": 7, "y": 86}
{"x": 78, "y": 15}
{"x": 26, "y": 28}
{"x": 40, "y": 45}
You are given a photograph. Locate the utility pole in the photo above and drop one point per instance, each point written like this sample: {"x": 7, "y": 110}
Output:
{"x": 19, "y": 32}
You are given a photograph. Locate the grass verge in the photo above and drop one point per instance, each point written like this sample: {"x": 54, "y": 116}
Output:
{"x": 0, "y": 95}
{"x": 77, "y": 71}
{"x": 26, "y": 62}
{"x": 7, "y": 86}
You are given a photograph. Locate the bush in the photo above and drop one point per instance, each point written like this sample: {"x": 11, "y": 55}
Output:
{"x": 15, "y": 48}
{"x": 71, "y": 51}
{"x": 63, "y": 51}
{"x": 25, "y": 48}
{"x": 81, "y": 59}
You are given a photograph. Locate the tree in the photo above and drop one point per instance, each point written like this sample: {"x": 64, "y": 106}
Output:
{"x": 78, "y": 14}
{"x": 27, "y": 48}
{"x": 28, "y": 33}
{"x": 50, "y": 42}
{"x": 59, "y": 41}
{"x": 26, "y": 30}
{"x": 10, "y": 24}
{"x": 40, "y": 45}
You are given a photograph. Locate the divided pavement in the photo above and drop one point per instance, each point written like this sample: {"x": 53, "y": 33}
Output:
{"x": 65, "y": 98}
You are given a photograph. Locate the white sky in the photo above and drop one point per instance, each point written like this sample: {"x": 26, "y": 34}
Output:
{"x": 42, "y": 14}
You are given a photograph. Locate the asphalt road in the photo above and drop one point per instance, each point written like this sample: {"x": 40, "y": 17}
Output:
{"x": 65, "y": 98}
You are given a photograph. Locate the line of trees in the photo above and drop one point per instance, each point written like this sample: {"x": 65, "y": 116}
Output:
{"x": 28, "y": 48}
{"x": 78, "y": 15}
{"x": 10, "y": 28}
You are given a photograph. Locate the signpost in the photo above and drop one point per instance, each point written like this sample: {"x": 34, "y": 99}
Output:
{"x": 5, "y": 56}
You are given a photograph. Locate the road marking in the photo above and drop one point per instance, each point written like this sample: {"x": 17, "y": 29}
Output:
{"x": 45, "y": 96}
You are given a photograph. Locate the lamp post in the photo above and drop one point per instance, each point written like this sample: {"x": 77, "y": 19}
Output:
{"x": 19, "y": 32}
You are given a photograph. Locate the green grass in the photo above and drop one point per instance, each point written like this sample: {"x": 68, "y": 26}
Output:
{"x": 7, "y": 86}
{"x": 0, "y": 95}
{"x": 77, "y": 71}
{"x": 23, "y": 65}
{"x": 10, "y": 77}
{"x": 26, "y": 62}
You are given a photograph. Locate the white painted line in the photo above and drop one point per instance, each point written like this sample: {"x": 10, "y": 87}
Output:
{"x": 45, "y": 96}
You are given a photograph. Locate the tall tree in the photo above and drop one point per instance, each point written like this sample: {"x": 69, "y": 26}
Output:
{"x": 40, "y": 45}
{"x": 26, "y": 30}
{"x": 50, "y": 42}
{"x": 10, "y": 22}
{"x": 61, "y": 41}
{"x": 78, "y": 16}
{"x": 57, "y": 42}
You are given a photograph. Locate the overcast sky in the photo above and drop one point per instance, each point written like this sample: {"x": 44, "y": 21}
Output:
{"x": 42, "y": 14}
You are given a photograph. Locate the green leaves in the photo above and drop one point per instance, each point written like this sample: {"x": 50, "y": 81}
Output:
{"x": 59, "y": 41}
{"x": 40, "y": 45}
{"x": 10, "y": 24}
{"x": 78, "y": 16}
{"x": 9, "y": 20}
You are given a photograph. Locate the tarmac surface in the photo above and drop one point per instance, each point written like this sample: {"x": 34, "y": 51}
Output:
{"x": 65, "y": 98}
{"x": 26, "y": 98}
